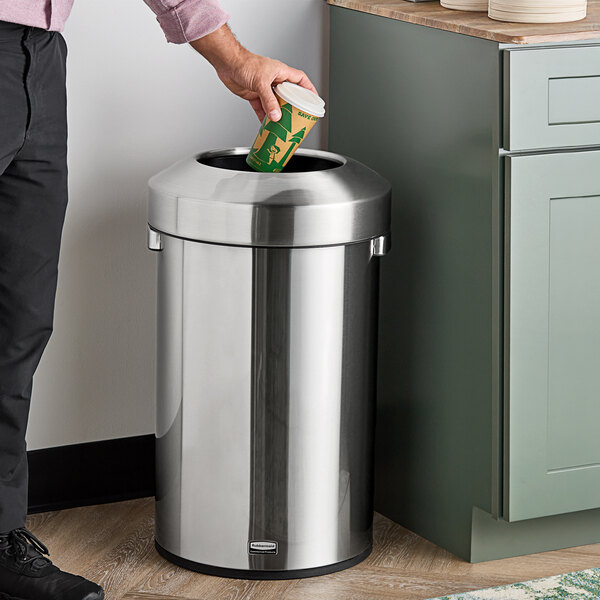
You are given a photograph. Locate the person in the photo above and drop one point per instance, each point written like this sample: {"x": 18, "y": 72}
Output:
{"x": 33, "y": 198}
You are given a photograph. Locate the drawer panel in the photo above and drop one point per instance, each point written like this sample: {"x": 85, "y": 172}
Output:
{"x": 551, "y": 97}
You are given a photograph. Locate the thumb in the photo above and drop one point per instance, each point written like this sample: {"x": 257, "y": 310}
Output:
{"x": 269, "y": 103}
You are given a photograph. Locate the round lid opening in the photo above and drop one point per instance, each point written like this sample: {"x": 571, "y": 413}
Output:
{"x": 299, "y": 163}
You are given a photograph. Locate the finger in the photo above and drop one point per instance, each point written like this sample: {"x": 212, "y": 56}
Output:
{"x": 301, "y": 78}
{"x": 269, "y": 102}
{"x": 255, "y": 103}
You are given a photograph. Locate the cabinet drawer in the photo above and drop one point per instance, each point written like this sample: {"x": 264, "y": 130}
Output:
{"x": 551, "y": 98}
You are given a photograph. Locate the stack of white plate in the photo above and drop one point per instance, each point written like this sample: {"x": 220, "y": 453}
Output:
{"x": 465, "y": 4}
{"x": 537, "y": 11}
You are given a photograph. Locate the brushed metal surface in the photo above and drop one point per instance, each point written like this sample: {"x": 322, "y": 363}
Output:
{"x": 342, "y": 202}
{"x": 265, "y": 408}
{"x": 169, "y": 391}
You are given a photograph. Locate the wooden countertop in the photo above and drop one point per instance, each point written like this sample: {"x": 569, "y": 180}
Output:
{"x": 477, "y": 24}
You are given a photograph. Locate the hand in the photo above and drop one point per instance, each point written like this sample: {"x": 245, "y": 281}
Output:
{"x": 248, "y": 75}
{"x": 253, "y": 79}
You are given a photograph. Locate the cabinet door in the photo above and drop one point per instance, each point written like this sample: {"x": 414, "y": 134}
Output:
{"x": 552, "y": 366}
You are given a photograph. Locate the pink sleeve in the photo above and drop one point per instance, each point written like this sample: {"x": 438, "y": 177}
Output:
{"x": 187, "y": 20}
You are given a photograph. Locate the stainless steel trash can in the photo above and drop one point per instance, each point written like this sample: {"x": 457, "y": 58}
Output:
{"x": 267, "y": 330}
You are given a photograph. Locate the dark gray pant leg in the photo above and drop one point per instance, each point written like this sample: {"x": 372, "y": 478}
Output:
{"x": 33, "y": 197}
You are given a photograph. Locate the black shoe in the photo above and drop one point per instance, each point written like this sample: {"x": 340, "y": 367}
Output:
{"x": 25, "y": 574}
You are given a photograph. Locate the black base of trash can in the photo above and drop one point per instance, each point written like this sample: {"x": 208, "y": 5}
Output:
{"x": 267, "y": 575}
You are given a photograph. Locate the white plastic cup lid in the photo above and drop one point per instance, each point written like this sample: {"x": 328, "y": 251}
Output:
{"x": 301, "y": 98}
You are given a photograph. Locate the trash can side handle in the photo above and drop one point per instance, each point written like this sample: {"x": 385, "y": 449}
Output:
{"x": 381, "y": 245}
{"x": 154, "y": 240}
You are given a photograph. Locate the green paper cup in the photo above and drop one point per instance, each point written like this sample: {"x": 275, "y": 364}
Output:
{"x": 277, "y": 141}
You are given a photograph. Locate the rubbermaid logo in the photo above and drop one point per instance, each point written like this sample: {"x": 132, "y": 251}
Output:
{"x": 262, "y": 547}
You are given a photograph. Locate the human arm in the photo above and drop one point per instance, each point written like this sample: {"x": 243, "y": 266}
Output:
{"x": 203, "y": 23}
{"x": 248, "y": 75}
{"x": 186, "y": 20}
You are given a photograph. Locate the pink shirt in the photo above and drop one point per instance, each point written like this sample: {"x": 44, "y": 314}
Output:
{"x": 181, "y": 20}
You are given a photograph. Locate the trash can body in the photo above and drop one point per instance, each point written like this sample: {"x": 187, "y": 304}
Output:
{"x": 265, "y": 373}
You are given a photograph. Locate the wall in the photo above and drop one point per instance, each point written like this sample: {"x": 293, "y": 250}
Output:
{"x": 137, "y": 104}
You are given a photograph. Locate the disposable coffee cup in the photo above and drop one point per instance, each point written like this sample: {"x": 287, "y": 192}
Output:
{"x": 277, "y": 141}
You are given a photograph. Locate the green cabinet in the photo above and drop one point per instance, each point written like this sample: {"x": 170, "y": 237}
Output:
{"x": 552, "y": 375}
{"x": 489, "y": 349}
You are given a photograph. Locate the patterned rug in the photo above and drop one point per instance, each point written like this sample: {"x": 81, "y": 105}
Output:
{"x": 581, "y": 585}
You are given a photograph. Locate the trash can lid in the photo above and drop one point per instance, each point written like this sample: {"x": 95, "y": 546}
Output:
{"x": 320, "y": 199}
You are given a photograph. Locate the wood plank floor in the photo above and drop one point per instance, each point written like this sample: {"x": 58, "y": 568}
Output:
{"x": 112, "y": 544}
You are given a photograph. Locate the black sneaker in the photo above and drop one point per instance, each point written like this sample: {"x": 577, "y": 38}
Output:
{"x": 25, "y": 574}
